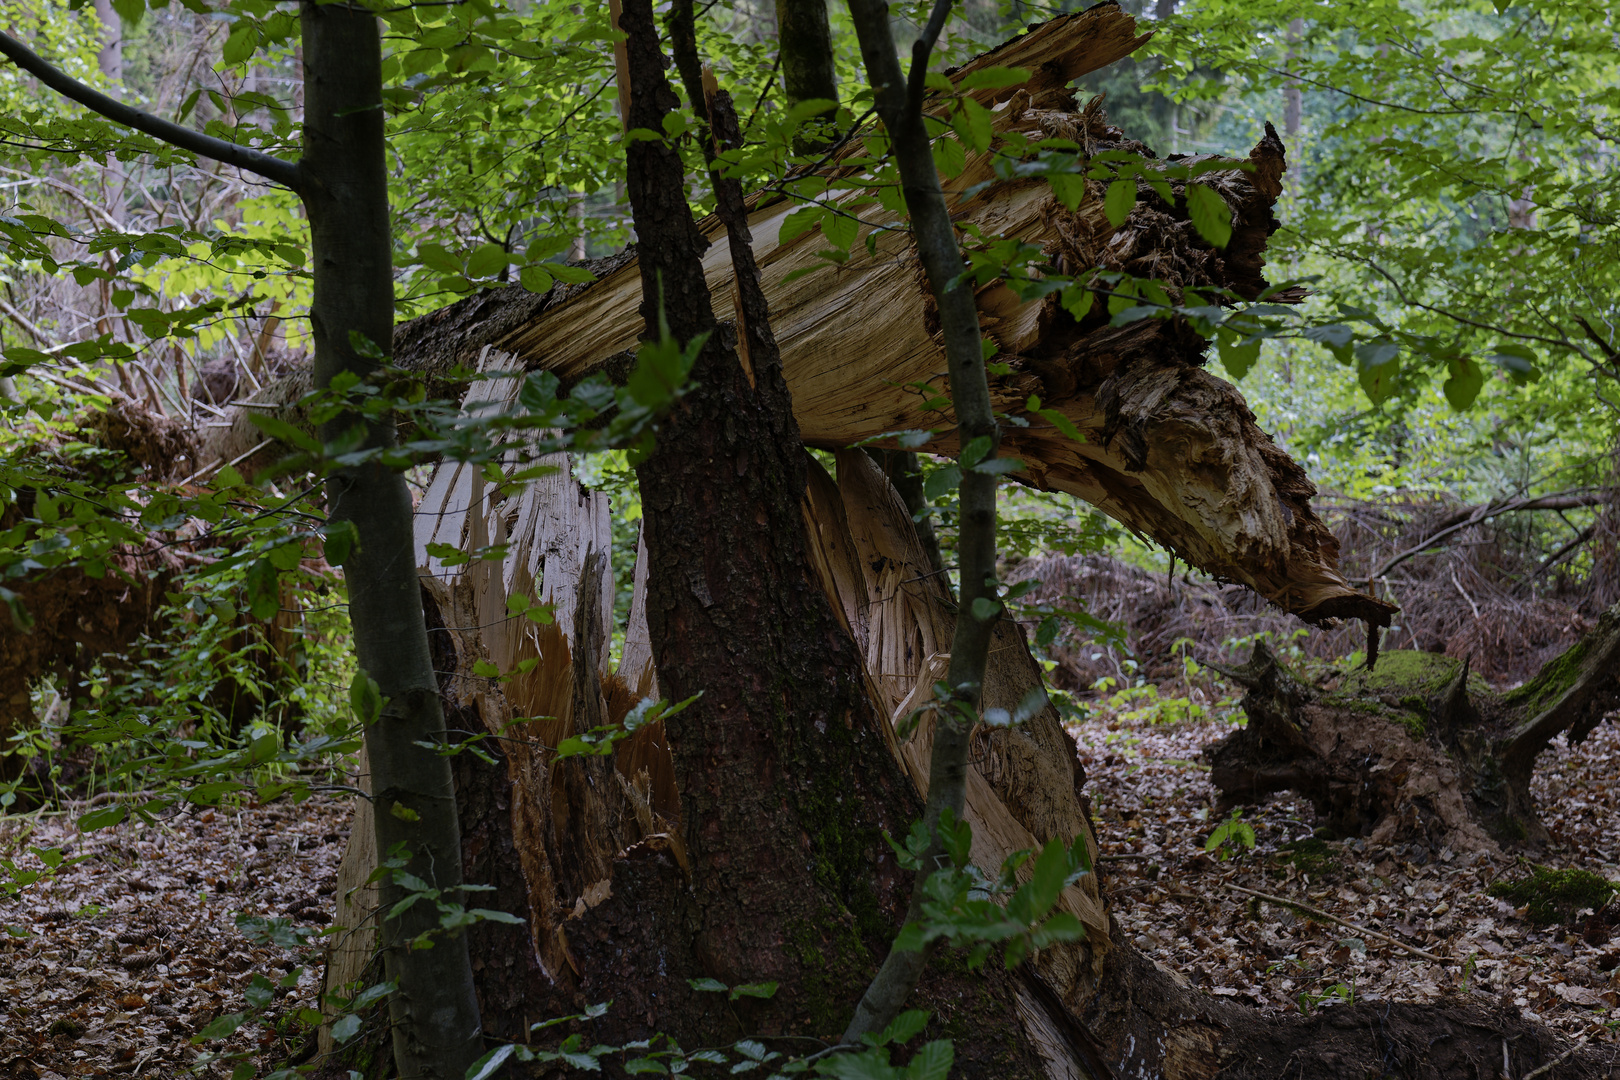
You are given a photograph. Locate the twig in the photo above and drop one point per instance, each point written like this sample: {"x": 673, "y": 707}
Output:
{"x": 1319, "y": 913}
{"x": 1559, "y": 1060}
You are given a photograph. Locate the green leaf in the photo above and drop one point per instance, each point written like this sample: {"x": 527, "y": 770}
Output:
{"x": 130, "y": 11}
{"x": 708, "y": 986}
{"x": 942, "y": 481}
{"x": 535, "y": 278}
{"x": 1210, "y": 214}
{"x": 903, "y": 1028}
{"x": 1378, "y": 369}
{"x": 798, "y": 223}
{"x": 365, "y": 698}
{"x": 242, "y": 41}
{"x": 975, "y": 451}
{"x": 571, "y": 275}
{"x": 282, "y": 431}
{"x": 338, "y": 541}
{"x": 1464, "y": 384}
{"x": 1068, "y": 188}
{"x": 1237, "y": 355}
{"x": 506, "y": 917}
{"x": 984, "y": 609}
{"x": 101, "y": 819}
{"x": 950, "y": 157}
{"x": 487, "y": 261}
{"x": 972, "y": 124}
{"x": 932, "y": 1062}
{"x": 484, "y": 1067}
{"x": 263, "y": 590}
{"x": 754, "y": 990}
{"x": 1120, "y": 200}
{"x": 840, "y": 229}
{"x": 225, "y": 1026}
{"x": 1519, "y": 361}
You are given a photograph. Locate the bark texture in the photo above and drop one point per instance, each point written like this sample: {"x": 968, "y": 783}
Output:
{"x": 1171, "y": 451}
{"x": 345, "y": 188}
{"x": 1416, "y": 750}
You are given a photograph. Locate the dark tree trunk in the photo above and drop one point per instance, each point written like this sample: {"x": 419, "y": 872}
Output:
{"x": 1416, "y": 749}
{"x": 786, "y": 776}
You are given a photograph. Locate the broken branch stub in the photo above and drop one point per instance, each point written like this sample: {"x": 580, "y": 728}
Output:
{"x": 1169, "y": 450}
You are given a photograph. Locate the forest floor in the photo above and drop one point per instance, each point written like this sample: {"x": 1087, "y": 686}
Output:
{"x": 1196, "y": 913}
{"x": 111, "y": 967}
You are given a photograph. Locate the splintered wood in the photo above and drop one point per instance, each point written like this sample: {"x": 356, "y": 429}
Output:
{"x": 1169, "y": 450}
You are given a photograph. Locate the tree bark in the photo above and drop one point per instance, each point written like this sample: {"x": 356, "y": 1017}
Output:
{"x": 1416, "y": 750}
{"x": 345, "y": 187}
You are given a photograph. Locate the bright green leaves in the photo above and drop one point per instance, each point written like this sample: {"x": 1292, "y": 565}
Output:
{"x": 1209, "y": 213}
{"x": 971, "y": 121}
{"x": 599, "y": 741}
{"x": 1377, "y": 370}
{"x": 1231, "y": 837}
{"x": 1238, "y": 353}
{"x": 950, "y": 157}
{"x": 1518, "y": 360}
{"x": 1463, "y": 383}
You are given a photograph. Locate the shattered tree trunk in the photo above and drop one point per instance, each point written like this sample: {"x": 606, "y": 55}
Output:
{"x": 1172, "y": 451}
{"x": 1416, "y": 749}
{"x": 599, "y": 864}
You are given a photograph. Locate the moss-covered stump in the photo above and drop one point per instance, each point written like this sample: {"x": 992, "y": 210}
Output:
{"x": 1416, "y": 749}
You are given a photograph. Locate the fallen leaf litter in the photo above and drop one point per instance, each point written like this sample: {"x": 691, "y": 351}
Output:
{"x": 126, "y": 955}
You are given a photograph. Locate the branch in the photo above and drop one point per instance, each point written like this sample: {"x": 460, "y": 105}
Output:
{"x": 1563, "y": 501}
{"x": 1318, "y": 913}
{"x": 1581, "y": 678}
{"x": 272, "y": 168}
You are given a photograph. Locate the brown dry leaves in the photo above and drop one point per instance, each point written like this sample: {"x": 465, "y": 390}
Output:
{"x": 1154, "y": 809}
{"x": 131, "y": 952}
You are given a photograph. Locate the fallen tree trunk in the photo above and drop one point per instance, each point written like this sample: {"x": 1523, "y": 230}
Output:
{"x": 1171, "y": 451}
{"x": 1416, "y": 751}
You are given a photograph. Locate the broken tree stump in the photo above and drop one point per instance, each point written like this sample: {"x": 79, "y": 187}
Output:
{"x": 1416, "y": 749}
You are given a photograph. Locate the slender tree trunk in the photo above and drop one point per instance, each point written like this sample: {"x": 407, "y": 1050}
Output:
{"x": 899, "y": 101}
{"x": 345, "y": 188}
{"x": 343, "y": 181}
{"x": 808, "y": 71}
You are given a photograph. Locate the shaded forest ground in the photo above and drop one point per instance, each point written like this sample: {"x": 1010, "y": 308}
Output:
{"x": 129, "y": 953}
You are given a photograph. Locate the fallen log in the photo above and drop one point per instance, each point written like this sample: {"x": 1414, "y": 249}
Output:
{"x": 1418, "y": 751}
{"x": 1171, "y": 451}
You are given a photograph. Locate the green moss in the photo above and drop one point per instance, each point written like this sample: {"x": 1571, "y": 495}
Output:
{"x": 1557, "y": 676}
{"x": 834, "y": 973}
{"x": 1310, "y": 856}
{"x": 1553, "y": 896}
{"x": 1404, "y": 672}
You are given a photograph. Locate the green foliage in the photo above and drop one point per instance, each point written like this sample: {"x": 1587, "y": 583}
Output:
{"x": 1554, "y": 896}
{"x": 1233, "y": 836}
{"x": 968, "y": 909}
